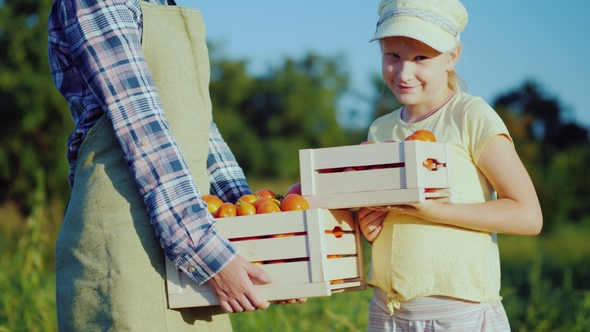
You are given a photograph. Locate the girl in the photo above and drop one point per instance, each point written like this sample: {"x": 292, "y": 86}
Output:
{"x": 436, "y": 266}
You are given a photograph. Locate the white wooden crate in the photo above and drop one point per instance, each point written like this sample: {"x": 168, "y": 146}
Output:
{"x": 299, "y": 264}
{"x": 405, "y": 180}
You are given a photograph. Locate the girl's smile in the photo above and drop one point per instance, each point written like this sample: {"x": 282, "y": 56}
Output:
{"x": 405, "y": 88}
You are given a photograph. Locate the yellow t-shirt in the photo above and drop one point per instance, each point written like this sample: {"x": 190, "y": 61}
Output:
{"x": 415, "y": 258}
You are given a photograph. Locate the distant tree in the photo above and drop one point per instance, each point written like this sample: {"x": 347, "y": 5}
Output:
{"x": 34, "y": 120}
{"x": 267, "y": 119}
{"x": 385, "y": 101}
{"x": 556, "y": 152}
{"x": 543, "y": 117}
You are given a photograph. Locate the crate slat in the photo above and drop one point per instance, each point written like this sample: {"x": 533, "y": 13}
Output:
{"x": 206, "y": 297}
{"x": 367, "y": 180}
{"x": 273, "y": 248}
{"x": 341, "y": 268}
{"x": 345, "y": 245}
{"x": 363, "y": 155}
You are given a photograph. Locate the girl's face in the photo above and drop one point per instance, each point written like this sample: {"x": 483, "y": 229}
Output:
{"x": 415, "y": 72}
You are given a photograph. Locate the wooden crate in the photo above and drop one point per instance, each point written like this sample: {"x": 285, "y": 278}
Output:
{"x": 393, "y": 173}
{"x": 299, "y": 264}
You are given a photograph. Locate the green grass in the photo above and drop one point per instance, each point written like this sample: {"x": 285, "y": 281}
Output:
{"x": 546, "y": 280}
{"x": 27, "y": 281}
{"x": 339, "y": 312}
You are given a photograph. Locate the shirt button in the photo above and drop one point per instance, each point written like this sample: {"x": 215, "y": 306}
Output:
{"x": 191, "y": 269}
{"x": 143, "y": 142}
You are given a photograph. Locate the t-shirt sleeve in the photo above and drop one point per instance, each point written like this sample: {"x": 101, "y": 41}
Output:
{"x": 483, "y": 123}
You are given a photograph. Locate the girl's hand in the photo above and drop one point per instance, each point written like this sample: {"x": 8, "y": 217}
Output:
{"x": 371, "y": 222}
{"x": 291, "y": 301}
{"x": 425, "y": 210}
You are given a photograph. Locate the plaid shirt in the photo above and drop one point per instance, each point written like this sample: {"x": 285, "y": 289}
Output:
{"x": 97, "y": 64}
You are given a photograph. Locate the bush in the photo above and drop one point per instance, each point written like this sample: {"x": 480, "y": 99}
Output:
{"x": 545, "y": 280}
{"x": 27, "y": 280}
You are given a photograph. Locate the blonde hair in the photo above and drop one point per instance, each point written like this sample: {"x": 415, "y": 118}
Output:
{"x": 454, "y": 81}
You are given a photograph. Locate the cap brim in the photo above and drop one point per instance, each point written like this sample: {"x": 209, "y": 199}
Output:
{"x": 420, "y": 30}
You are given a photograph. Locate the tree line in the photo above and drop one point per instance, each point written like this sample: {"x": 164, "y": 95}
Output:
{"x": 265, "y": 118}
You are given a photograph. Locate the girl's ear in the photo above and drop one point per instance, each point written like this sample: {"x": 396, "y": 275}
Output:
{"x": 453, "y": 57}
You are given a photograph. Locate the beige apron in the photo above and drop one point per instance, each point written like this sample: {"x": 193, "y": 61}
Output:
{"x": 110, "y": 268}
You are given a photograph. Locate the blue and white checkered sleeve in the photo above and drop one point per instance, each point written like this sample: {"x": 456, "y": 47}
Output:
{"x": 105, "y": 46}
{"x": 225, "y": 174}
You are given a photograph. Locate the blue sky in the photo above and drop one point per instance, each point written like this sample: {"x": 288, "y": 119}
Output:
{"x": 504, "y": 43}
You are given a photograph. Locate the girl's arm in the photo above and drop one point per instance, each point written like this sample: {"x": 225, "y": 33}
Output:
{"x": 515, "y": 211}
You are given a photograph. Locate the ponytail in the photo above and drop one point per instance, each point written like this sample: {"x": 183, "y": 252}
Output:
{"x": 455, "y": 82}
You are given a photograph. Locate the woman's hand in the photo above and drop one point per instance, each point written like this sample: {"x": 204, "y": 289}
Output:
{"x": 371, "y": 222}
{"x": 234, "y": 286}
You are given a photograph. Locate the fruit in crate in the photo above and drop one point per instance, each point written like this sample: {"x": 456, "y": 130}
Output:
{"x": 330, "y": 170}
{"x": 283, "y": 235}
{"x": 227, "y": 210}
{"x": 430, "y": 164}
{"x": 294, "y": 202}
{"x": 213, "y": 203}
{"x": 248, "y": 198}
{"x": 260, "y": 202}
{"x": 245, "y": 208}
{"x": 337, "y": 232}
{"x": 268, "y": 207}
{"x": 265, "y": 193}
{"x": 421, "y": 135}
{"x": 294, "y": 189}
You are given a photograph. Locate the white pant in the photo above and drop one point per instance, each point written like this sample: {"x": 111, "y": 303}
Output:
{"x": 436, "y": 313}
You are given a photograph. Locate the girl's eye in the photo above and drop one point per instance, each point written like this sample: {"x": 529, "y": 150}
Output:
{"x": 421, "y": 57}
{"x": 393, "y": 55}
